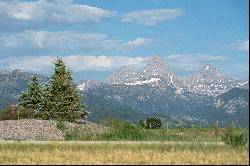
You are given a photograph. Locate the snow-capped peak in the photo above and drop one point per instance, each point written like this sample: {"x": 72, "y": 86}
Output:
{"x": 209, "y": 81}
{"x": 156, "y": 69}
{"x": 207, "y": 67}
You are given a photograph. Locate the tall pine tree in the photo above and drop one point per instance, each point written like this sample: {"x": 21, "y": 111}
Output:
{"x": 61, "y": 99}
{"x": 32, "y": 97}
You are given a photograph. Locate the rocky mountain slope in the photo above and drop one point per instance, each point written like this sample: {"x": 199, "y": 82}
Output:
{"x": 209, "y": 81}
{"x": 154, "y": 73}
{"x": 12, "y": 84}
{"x": 233, "y": 101}
{"x": 155, "y": 89}
{"x": 133, "y": 93}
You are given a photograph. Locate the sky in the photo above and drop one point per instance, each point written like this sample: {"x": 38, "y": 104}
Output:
{"x": 97, "y": 37}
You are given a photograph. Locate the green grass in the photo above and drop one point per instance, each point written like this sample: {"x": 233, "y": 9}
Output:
{"x": 124, "y": 131}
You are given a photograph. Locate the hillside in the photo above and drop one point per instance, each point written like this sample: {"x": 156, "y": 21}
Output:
{"x": 12, "y": 84}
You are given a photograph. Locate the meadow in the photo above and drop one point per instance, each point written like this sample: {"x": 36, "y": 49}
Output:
{"x": 125, "y": 131}
{"x": 125, "y": 143}
{"x": 108, "y": 153}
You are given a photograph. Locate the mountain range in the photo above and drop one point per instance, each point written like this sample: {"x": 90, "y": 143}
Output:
{"x": 133, "y": 93}
{"x": 155, "y": 89}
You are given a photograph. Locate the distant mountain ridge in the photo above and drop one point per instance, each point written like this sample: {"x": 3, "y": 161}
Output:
{"x": 154, "y": 72}
{"x": 13, "y": 83}
{"x": 154, "y": 90}
{"x": 208, "y": 81}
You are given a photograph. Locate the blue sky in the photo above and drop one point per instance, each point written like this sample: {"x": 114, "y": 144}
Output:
{"x": 96, "y": 37}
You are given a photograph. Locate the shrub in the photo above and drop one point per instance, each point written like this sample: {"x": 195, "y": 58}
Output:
{"x": 14, "y": 112}
{"x": 150, "y": 123}
{"x": 60, "y": 124}
{"x": 235, "y": 137}
{"x": 142, "y": 123}
{"x": 121, "y": 130}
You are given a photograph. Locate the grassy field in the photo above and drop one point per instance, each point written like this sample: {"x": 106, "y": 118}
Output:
{"x": 124, "y": 143}
{"x": 124, "y": 131}
{"x": 108, "y": 153}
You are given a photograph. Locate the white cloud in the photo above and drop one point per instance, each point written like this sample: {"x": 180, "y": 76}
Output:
{"x": 74, "y": 62}
{"x": 193, "y": 62}
{"x": 34, "y": 64}
{"x": 48, "y": 12}
{"x": 240, "y": 45}
{"x": 152, "y": 17}
{"x": 29, "y": 42}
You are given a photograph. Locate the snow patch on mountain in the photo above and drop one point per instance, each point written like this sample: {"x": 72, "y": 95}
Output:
{"x": 208, "y": 81}
{"x": 148, "y": 81}
{"x": 156, "y": 73}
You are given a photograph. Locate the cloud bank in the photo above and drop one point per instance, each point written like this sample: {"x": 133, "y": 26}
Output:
{"x": 193, "y": 62}
{"x": 74, "y": 62}
{"x": 151, "y": 17}
{"x": 240, "y": 45}
{"x": 48, "y": 12}
{"x": 29, "y": 41}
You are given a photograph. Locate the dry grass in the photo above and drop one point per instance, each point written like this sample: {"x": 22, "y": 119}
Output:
{"x": 19, "y": 153}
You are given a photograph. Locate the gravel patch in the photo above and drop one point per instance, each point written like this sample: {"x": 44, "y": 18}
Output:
{"x": 40, "y": 130}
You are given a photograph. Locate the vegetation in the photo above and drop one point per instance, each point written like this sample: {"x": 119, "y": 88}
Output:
{"x": 58, "y": 100}
{"x": 14, "y": 112}
{"x": 125, "y": 131}
{"x": 150, "y": 123}
{"x": 60, "y": 125}
{"x": 103, "y": 153}
{"x": 32, "y": 98}
{"x": 61, "y": 100}
{"x": 236, "y": 137}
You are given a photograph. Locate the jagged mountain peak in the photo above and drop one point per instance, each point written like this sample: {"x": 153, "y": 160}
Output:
{"x": 123, "y": 75}
{"x": 155, "y": 71}
{"x": 210, "y": 69}
{"x": 209, "y": 81}
{"x": 155, "y": 60}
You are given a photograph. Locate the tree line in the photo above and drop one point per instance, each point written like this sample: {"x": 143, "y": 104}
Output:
{"x": 59, "y": 99}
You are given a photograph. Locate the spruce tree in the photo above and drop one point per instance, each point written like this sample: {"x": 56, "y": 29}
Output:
{"x": 32, "y": 97}
{"x": 46, "y": 110}
{"x": 61, "y": 99}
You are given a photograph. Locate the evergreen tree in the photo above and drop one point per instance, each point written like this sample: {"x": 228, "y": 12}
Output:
{"x": 46, "y": 110}
{"x": 61, "y": 99}
{"x": 32, "y": 97}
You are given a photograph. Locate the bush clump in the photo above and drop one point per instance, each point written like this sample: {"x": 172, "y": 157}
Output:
{"x": 60, "y": 124}
{"x": 15, "y": 112}
{"x": 121, "y": 130}
{"x": 150, "y": 123}
{"x": 235, "y": 137}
